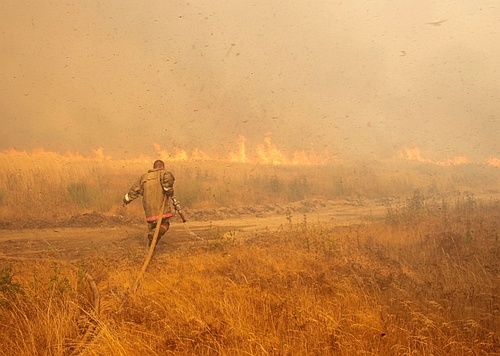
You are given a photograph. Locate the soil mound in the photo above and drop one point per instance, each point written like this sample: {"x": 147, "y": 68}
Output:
{"x": 98, "y": 219}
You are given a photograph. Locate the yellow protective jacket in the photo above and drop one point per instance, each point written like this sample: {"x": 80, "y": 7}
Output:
{"x": 153, "y": 186}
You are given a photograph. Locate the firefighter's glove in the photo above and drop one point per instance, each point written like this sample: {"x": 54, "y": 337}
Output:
{"x": 169, "y": 192}
{"x": 126, "y": 200}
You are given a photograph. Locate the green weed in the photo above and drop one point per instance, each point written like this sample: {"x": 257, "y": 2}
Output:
{"x": 8, "y": 288}
{"x": 83, "y": 195}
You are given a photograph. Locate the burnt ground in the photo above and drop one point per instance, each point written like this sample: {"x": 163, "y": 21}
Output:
{"x": 95, "y": 234}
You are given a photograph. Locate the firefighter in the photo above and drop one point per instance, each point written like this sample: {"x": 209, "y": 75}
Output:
{"x": 154, "y": 186}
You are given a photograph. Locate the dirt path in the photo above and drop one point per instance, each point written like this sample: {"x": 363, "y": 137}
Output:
{"x": 128, "y": 241}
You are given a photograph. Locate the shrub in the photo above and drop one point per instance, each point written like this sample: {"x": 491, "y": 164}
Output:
{"x": 8, "y": 287}
{"x": 275, "y": 185}
{"x": 298, "y": 188}
{"x": 83, "y": 195}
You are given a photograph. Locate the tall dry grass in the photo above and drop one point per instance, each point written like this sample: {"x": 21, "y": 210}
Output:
{"x": 48, "y": 186}
{"x": 42, "y": 305}
{"x": 425, "y": 283}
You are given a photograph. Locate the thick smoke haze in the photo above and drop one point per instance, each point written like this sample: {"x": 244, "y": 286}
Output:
{"x": 348, "y": 77}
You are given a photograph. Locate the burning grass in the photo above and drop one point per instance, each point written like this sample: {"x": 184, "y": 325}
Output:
{"x": 48, "y": 186}
{"x": 426, "y": 283}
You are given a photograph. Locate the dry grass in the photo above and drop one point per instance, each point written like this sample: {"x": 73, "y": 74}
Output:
{"x": 42, "y": 305}
{"x": 425, "y": 281}
{"x": 426, "y": 284}
{"x": 49, "y": 186}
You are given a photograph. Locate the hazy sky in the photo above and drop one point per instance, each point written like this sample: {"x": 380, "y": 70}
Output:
{"x": 351, "y": 76}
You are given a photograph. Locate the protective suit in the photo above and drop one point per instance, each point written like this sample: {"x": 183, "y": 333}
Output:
{"x": 153, "y": 186}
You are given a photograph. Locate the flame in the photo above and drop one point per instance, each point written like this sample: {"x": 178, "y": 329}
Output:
{"x": 412, "y": 153}
{"x": 454, "y": 161}
{"x": 266, "y": 153}
{"x": 178, "y": 154}
{"x": 240, "y": 155}
{"x": 493, "y": 162}
{"x": 161, "y": 152}
{"x": 199, "y": 155}
{"x": 313, "y": 158}
{"x": 97, "y": 155}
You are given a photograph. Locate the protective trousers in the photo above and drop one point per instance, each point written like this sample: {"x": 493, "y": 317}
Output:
{"x": 165, "y": 225}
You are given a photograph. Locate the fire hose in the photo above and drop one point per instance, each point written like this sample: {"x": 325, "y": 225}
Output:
{"x": 178, "y": 209}
{"x": 151, "y": 246}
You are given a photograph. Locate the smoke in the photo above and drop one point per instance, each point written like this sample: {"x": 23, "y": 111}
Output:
{"x": 356, "y": 77}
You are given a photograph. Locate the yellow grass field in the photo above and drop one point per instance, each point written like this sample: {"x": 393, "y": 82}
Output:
{"x": 358, "y": 258}
{"x": 47, "y": 186}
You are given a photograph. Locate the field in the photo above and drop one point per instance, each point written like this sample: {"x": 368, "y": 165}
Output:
{"x": 364, "y": 258}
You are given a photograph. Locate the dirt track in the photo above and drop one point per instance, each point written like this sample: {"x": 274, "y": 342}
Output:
{"x": 128, "y": 240}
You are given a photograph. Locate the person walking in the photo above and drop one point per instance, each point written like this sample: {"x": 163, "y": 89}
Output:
{"x": 156, "y": 188}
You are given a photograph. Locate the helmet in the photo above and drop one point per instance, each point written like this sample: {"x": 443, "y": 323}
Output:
{"x": 158, "y": 164}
